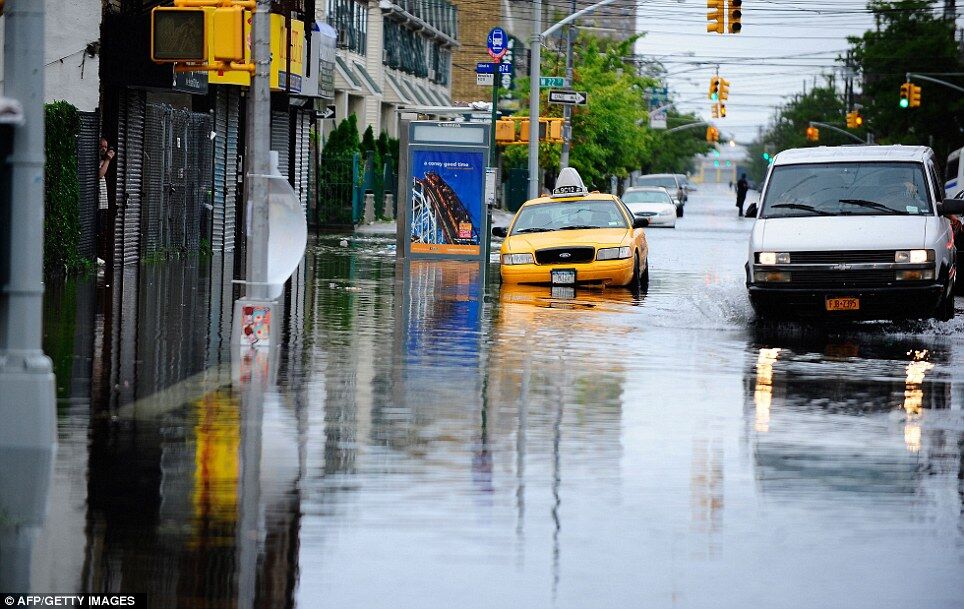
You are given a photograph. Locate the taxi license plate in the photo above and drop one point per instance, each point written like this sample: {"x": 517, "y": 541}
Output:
{"x": 563, "y": 277}
{"x": 843, "y": 304}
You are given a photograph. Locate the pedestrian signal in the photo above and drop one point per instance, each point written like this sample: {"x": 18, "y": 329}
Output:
{"x": 504, "y": 131}
{"x": 905, "y": 95}
{"x": 715, "y": 17}
{"x": 178, "y": 35}
{"x": 914, "y": 96}
{"x": 555, "y": 130}
{"x": 736, "y": 14}
{"x": 228, "y": 33}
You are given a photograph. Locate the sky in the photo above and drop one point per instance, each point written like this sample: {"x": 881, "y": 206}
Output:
{"x": 783, "y": 44}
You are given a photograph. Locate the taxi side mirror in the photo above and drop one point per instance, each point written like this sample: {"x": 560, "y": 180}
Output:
{"x": 640, "y": 222}
{"x": 951, "y": 207}
{"x": 500, "y": 231}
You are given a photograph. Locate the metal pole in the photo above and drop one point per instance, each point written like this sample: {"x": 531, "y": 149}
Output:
{"x": 259, "y": 143}
{"x": 493, "y": 148}
{"x": 27, "y": 399}
{"x": 567, "y": 109}
{"x": 535, "y": 69}
{"x": 837, "y": 129}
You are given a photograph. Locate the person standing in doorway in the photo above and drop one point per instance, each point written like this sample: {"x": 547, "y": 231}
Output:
{"x": 741, "y": 188}
{"x": 106, "y": 156}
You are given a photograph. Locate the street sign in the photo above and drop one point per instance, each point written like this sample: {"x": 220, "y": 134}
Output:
{"x": 487, "y": 67}
{"x": 328, "y": 112}
{"x": 657, "y": 119}
{"x": 564, "y": 96}
{"x": 485, "y": 80}
{"x": 548, "y": 82}
{"x": 496, "y": 43}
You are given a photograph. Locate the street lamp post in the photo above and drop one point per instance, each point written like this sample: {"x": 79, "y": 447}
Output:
{"x": 535, "y": 69}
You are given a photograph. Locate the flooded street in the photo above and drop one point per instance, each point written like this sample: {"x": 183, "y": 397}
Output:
{"x": 435, "y": 440}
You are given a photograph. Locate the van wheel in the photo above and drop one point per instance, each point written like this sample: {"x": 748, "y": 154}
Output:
{"x": 679, "y": 211}
{"x": 945, "y": 311}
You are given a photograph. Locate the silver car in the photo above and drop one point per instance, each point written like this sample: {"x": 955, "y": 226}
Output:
{"x": 671, "y": 183}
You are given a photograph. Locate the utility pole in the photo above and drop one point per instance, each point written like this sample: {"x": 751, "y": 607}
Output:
{"x": 535, "y": 71}
{"x": 567, "y": 109}
{"x": 27, "y": 397}
{"x": 258, "y": 144}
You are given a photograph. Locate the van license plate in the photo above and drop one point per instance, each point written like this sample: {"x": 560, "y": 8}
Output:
{"x": 843, "y": 304}
{"x": 563, "y": 277}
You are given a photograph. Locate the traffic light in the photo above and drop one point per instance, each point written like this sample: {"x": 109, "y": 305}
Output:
{"x": 854, "y": 120}
{"x": 722, "y": 110}
{"x": 555, "y": 130}
{"x": 712, "y": 135}
{"x": 228, "y": 33}
{"x": 736, "y": 14}
{"x": 715, "y": 110}
{"x": 178, "y": 35}
{"x": 766, "y": 156}
{"x": 914, "y": 96}
{"x": 716, "y": 16}
{"x": 504, "y": 131}
{"x": 524, "y": 130}
{"x": 724, "y": 89}
{"x": 714, "y": 93}
{"x": 905, "y": 95}
{"x": 813, "y": 134}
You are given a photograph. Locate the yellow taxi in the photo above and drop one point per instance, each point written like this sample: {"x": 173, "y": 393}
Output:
{"x": 575, "y": 237}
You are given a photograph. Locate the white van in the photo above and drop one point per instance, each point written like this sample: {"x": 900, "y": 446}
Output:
{"x": 953, "y": 175}
{"x": 853, "y": 232}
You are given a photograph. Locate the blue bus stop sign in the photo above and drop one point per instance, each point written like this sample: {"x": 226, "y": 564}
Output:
{"x": 497, "y": 42}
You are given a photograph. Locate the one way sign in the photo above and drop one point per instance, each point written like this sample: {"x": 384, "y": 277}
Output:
{"x": 328, "y": 112}
{"x": 565, "y": 96}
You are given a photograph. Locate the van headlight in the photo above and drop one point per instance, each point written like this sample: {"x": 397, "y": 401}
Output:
{"x": 914, "y": 256}
{"x": 612, "y": 253}
{"x": 770, "y": 258}
{"x": 516, "y": 258}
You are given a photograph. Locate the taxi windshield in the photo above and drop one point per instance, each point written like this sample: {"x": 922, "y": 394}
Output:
{"x": 846, "y": 189}
{"x": 569, "y": 215}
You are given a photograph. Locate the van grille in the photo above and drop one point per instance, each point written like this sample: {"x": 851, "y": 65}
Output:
{"x": 844, "y": 257}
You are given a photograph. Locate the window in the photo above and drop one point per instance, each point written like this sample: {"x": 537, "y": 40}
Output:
{"x": 569, "y": 215}
{"x": 953, "y": 165}
{"x": 846, "y": 189}
{"x": 350, "y": 18}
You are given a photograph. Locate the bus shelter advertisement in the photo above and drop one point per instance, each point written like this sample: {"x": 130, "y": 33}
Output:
{"x": 447, "y": 189}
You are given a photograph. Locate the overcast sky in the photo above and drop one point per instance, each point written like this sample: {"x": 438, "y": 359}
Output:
{"x": 783, "y": 44}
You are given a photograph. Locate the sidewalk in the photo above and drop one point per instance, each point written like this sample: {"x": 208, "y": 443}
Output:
{"x": 500, "y": 217}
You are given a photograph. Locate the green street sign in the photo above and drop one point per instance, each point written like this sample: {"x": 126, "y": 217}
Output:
{"x": 549, "y": 82}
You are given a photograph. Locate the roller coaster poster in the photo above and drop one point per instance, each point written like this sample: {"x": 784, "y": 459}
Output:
{"x": 447, "y": 188}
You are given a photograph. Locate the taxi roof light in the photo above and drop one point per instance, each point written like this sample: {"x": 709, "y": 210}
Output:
{"x": 569, "y": 184}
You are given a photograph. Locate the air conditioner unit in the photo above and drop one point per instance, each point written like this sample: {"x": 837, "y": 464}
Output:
{"x": 342, "y": 38}
{"x": 431, "y": 74}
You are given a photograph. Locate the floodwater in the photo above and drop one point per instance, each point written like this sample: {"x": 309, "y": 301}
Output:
{"x": 428, "y": 438}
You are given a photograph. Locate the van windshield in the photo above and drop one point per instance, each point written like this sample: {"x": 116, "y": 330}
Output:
{"x": 846, "y": 189}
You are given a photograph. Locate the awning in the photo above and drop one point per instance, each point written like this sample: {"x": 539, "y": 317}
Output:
{"x": 415, "y": 94}
{"x": 345, "y": 79}
{"x": 394, "y": 93}
{"x": 367, "y": 79}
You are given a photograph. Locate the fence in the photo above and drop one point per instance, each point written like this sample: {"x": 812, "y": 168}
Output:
{"x": 339, "y": 191}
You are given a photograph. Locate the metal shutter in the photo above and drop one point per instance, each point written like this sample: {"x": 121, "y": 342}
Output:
{"x": 129, "y": 178}
{"x": 280, "y": 134}
{"x": 88, "y": 144}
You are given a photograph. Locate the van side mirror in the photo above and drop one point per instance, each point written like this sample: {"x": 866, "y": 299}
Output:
{"x": 499, "y": 231}
{"x": 640, "y": 222}
{"x": 951, "y": 207}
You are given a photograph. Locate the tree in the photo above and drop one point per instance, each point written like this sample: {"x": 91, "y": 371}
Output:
{"x": 910, "y": 38}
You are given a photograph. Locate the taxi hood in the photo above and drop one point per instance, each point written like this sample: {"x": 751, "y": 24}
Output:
{"x": 595, "y": 236}
{"x": 842, "y": 232}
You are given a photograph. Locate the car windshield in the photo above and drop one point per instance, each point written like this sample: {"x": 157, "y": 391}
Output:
{"x": 569, "y": 215}
{"x": 846, "y": 189}
{"x": 646, "y": 196}
{"x": 665, "y": 182}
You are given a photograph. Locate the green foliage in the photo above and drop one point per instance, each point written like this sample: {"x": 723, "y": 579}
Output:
{"x": 911, "y": 38}
{"x": 61, "y": 190}
{"x": 612, "y": 136}
{"x": 335, "y": 177}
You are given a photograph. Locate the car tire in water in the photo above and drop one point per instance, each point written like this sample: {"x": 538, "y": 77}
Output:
{"x": 644, "y": 277}
{"x": 945, "y": 311}
{"x": 679, "y": 212}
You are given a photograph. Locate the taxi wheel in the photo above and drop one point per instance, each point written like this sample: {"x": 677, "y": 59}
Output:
{"x": 644, "y": 279}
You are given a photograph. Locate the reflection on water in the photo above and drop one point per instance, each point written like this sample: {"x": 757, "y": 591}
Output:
{"x": 429, "y": 433}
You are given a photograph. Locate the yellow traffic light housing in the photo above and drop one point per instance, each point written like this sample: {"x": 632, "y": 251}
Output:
{"x": 712, "y": 135}
{"x": 555, "y": 130}
{"x": 854, "y": 120}
{"x": 724, "y": 89}
{"x": 715, "y": 17}
{"x": 914, "y": 96}
{"x": 813, "y": 134}
{"x": 178, "y": 35}
{"x": 735, "y": 15}
{"x": 905, "y": 95}
{"x": 850, "y": 120}
{"x": 524, "y": 130}
{"x": 504, "y": 131}
{"x": 715, "y": 111}
{"x": 228, "y": 35}
{"x": 714, "y": 92}
{"x": 722, "y": 110}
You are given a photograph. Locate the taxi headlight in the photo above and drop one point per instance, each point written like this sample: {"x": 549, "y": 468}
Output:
{"x": 773, "y": 258}
{"x": 516, "y": 258}
{"x": 914, "y": 256}
{"x": 612, "y": 253}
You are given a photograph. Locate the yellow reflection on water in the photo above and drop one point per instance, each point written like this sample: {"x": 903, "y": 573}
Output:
{"x": 914, "y": 398}
{"x": 217, "y": 434}
{"x": 763, "y": 392}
